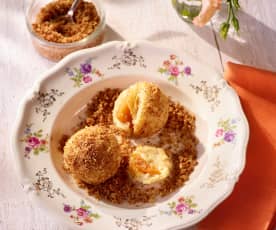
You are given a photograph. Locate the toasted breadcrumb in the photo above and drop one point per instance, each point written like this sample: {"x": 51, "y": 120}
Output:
{"x": 51, "y": 26}
{"x": 176, "y": 138}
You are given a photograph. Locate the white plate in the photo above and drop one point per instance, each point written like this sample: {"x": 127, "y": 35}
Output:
{"x": 50, "y": 109}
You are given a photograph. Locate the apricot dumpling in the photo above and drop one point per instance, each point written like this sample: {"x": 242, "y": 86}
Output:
{"x": 141, "y": 110}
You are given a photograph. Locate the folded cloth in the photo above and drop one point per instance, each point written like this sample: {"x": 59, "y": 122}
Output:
{"x": 252, "y": 205}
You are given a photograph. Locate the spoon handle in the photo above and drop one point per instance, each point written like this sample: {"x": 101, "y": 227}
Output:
{"x": 73, "y": 7}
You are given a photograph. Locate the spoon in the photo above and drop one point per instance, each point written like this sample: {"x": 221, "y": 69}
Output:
{"x": 70, "y": 14}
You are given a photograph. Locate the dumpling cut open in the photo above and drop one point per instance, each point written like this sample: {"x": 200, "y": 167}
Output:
{"x": 141, "y": 110}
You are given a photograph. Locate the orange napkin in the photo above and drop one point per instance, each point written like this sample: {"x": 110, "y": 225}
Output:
{"x": 252, "y": 205}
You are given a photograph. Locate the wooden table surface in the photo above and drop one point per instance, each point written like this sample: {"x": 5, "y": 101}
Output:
{"x": 153, "y": 20}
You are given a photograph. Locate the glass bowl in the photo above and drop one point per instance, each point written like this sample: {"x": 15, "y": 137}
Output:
{"x": 187, "y": 9}
{"x": 56, "y": 51}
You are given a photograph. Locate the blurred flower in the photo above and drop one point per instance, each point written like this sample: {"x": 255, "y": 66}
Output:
{"x": 87, "y": 79}
{"x": 208, "y": 9}
{"x": 219, "y": 132}
{"x": 82, "y": 212}
{"x": 229, "y": 136}
{"x": 166, "y": 63}
{"x": 33, "y": 142}
{"x": 88, "y": 219}
{"x": 188, "y": 70}
{"x": 190, "y": 211}
{"x": 180, "y": 208}
{"x": 27, "y": 149}
{"x": 67, "y": 208}
{"x": 43, "y": 142}
{"x": 174, "y": 71}
{"x": 86, "y": 68}
{"x": 27, "y": 130}
{"x": 69, "y": 72}
{"x": 172, "y": 56}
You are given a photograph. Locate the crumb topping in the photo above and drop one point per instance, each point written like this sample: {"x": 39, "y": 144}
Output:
{"x": 176, "y": 138}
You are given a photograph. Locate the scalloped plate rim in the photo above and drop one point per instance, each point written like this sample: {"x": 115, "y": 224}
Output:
{"x": 43, "y": 77}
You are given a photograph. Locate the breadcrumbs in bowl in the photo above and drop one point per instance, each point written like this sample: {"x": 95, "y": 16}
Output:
{"x": 54, "y": 37}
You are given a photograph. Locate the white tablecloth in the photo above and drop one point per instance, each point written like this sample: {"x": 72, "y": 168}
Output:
{"x": 153, "y": 20}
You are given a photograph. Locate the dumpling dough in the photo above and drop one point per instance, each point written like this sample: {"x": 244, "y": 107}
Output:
{"x": 149, "y": 165}
{"x": 141, "y": 110}
{"x": 92, "y": 154}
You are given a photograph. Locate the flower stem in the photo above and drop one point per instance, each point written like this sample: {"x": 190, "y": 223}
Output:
{"x": 232, "y": 6}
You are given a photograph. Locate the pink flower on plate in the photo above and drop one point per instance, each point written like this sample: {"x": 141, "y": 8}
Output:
{"x": 174, "y": 70}
{"x": 87, "y": 79}
{"x": 33, "y": 142}
{"x": 180, "y": 208}
{"x": 219, "y": 132}
{"x": 82, "y": 212}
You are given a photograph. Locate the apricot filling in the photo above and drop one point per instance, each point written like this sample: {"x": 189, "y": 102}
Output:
{"x": 124, "y": 114}
{"x": 144, "y": 167}
{"x": 128, "y": 109}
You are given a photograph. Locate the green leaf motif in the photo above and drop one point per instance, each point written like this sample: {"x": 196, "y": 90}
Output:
{"x": 188, "y": 201}
{"x": 161, "y": 70}
{"x": 95, "y": 215}
{"x": 225, "y": 124}
{"x": 173, "y": 204}
{"x": 86, "y": 207}
{"x": 171, "y": 78}
{"x": 77, "y": 71}
{"x": 36, "y": 151}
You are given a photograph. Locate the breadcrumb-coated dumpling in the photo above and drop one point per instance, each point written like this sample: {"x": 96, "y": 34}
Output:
{"x": 148, "y": 164}
{"x": 92, "y": 154}
{"x": 141, "y": 110}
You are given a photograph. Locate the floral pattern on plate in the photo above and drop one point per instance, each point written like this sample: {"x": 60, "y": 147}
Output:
{"x": 128, "y": 58}
{"x": 225, "y": 132}
{"x": 210, "y": 93}
{"x": 133, "y": 223}
{"x": 83, "y": 74}
{"x": 216, "y": 176}
{"x": 35, "y": 141}
{"x": 82, "y": 214}
{"x": 44, "y": 184}
{"x": 45, "y": 100}
{"x": 184, "y": 205}
{"x": 173, "y": 68}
